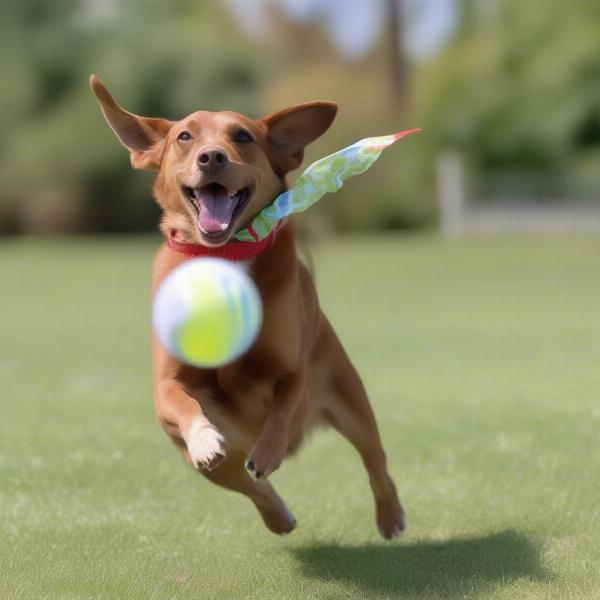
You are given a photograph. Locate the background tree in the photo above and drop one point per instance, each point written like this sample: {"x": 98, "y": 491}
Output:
{"x": 516, "y": 86}
{"x": 60, "y": 167}
{"x": 520, "y": 89}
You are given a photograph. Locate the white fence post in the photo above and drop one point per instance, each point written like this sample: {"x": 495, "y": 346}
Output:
{"x": 451, "y": 193}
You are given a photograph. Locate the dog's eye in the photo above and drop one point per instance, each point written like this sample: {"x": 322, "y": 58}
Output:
{"x": 242, "y": 136}
{"x": 184, "y": 136}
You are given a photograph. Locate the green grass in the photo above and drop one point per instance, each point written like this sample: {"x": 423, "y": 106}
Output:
{"x": 482, "y": 360}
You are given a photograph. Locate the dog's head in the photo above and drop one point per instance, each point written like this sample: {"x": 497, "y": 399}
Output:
{"x": 216, "y": 170}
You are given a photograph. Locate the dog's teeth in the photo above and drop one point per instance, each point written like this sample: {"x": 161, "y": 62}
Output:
{"x": 223, "y": 226}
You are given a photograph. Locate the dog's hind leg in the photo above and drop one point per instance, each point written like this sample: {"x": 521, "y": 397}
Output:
{"x": 232, "y": 475}
{"x": 348, "y": 410}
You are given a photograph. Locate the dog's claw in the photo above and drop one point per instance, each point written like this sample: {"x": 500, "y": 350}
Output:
{"x": 251, "y": 468}
{"x": 266, "y": 456}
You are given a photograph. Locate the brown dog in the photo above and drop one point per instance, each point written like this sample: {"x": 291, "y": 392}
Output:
{"x": 236, "y": 424}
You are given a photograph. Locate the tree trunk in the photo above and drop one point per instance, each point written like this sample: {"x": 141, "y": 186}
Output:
{"x": 399, "y": 81}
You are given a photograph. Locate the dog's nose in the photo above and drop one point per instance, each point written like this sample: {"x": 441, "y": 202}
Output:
{"x": 212, "y": 159}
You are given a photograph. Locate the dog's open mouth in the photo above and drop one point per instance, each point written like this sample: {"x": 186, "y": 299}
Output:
{"x": 216, "y": 208}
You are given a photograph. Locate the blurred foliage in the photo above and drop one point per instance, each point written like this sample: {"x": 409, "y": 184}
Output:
{"x": 521, "y": 88}
{"x": 398, "y": 191}
{"x": 60, "y": 166}
{"x": 516, "y": 86}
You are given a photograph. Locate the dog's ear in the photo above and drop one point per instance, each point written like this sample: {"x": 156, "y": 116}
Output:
{"x": 142, "y": 136}
{"x": 290, "y": 130}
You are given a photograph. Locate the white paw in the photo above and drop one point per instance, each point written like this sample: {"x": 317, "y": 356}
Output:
{"x": 205, "y": 445}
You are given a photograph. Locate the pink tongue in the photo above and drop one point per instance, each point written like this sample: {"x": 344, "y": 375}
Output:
{"x": 216, "y": 208}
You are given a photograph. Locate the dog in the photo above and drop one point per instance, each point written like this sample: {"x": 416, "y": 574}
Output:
{"x": 235, "y": 424}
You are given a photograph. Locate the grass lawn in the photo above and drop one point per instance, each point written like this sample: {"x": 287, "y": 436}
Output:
{"x": 482, "y": 359}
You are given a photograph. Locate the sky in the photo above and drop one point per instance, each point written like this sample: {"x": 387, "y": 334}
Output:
{"x": 355, "y": 24}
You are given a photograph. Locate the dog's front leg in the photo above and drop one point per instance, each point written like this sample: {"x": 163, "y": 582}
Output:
{"x": 181, "y": 416}
{"x": 270, "y": 448}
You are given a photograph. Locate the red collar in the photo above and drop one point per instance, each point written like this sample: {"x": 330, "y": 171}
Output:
{"x": 234, "y": 251}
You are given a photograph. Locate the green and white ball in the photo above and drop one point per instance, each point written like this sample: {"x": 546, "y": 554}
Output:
{"x": 207, "y": 312}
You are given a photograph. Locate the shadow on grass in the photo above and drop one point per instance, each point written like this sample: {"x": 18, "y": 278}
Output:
{"x": 446, "y": 570}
